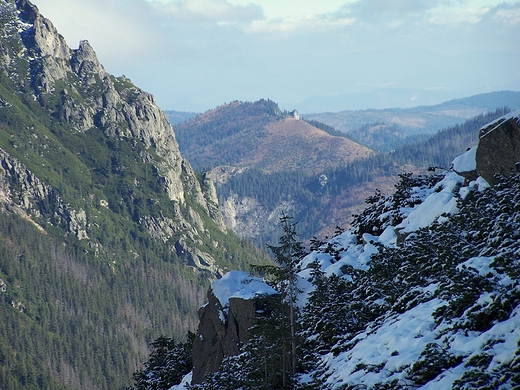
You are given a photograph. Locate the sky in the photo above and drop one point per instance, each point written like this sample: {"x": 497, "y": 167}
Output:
{"x": 194, "y": 55}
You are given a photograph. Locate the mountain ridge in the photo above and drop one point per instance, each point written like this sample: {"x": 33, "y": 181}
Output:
{"x": 385, "y": 129}
{"x": 387, "y": 99}
{"x": 108, "y": 236}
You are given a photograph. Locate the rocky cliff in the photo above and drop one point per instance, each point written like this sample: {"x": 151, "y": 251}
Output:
{"x": 108, "y": 237}
{"x": 72, "y": 86}
{"x": 225, "y": 321}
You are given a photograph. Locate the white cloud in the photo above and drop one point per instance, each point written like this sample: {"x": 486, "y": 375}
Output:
{"x": 118, "y": 29}
{"x": 209, "y": 10}
{"x": 316, "y": 24}
{"x": 375, "y": 7}
{"x": 507, "y": 13}
{"x": 473, "y": 15}
{"x": 207, "y": 52}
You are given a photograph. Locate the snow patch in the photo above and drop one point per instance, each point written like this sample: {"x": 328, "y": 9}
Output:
{"x": 186, "y": 381}
{"x": 436, "y": 204}
{"x": 466, "y": 162}
{"x": 238, "y": 284}
{"x": 394, "y": 347}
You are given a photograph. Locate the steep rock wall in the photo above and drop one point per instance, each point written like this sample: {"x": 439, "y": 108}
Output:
{"x": 72, "y": 86}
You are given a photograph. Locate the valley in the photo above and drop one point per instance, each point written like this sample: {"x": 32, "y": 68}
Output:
{"x": 264, "y": 160}
{"x": 120, "y": 235}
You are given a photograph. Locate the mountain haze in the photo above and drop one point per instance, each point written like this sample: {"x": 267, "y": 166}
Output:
{"x": 387, "y": 98}
{"x": 386, "y": 129}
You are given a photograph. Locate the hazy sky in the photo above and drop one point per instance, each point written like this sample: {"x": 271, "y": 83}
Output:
{"x": 196, "y": 54}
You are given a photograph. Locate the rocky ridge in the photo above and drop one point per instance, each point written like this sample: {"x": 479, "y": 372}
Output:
{"x": 74, "y": 88}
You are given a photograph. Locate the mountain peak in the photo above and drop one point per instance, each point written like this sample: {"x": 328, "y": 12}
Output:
{"x": 260, "y": 135}
{"x": 81, "y": 97}
{"x": 84, "y": 61}
{"x": 28, "y": 11}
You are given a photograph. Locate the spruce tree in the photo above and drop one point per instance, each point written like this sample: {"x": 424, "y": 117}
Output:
{"x": 287, "y": 254}
{"x": 167, "y": 364}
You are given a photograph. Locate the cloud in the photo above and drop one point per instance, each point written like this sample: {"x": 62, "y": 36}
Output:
{"x": 116, "y": 28}
{"x": 218, "y": 11}
{"x": 311, "y": 24}
{"x": 506, "y": 13}
{"x": 201, "y": 53}
{"x": 384, "y": 10}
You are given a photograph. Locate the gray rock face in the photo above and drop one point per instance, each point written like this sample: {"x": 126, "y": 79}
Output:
{"x": 23, "y": 193}
{"x": 498, "y": 149}
{"x": 121, "y": 110}
{"x": 74, "y": 88}
{"x": 85, "y": 64}
{"x": 221, "y": 334}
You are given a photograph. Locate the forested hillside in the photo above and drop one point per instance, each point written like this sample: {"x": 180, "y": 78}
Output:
{"x": 264, "y": 160}
{"x": 108, "y": 237}
{"x": 427, "y": 310}
{"x": 260, "y": 135}
{"x": 422, "y": 292}
{"x": 323, "y": 201}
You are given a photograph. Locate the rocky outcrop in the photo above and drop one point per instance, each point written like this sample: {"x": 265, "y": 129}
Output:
{"x": 72, "y": 86}
{"x": 498, "y": 150}
{"x": 23, "y": 193}
{"x": 249, "y": 218}
{"x": 224, "y": 326}
{"x": 196, "y": 258}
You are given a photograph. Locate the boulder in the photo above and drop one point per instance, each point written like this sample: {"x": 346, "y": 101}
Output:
{"x": 225, "y": 321}
{"x": 498, "y": 150}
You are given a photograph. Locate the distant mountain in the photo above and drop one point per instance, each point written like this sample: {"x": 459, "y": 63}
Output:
{"x": 265, "y": 161}
{"x": 389, "y": 98}
{"x": 176, "y": 117}
{"x": 260, "y": 157}
{"x": 386, "y": 129}
{"x": 108, "y": 237}
{"x": 251, "y": 199}
{"x": 259, "y": 135}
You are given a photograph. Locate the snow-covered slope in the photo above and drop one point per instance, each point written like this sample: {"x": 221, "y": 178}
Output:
{"x": 436, "y": 270}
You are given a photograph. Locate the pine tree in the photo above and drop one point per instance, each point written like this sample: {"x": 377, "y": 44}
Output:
{"x": 287, "y": 254}
{"x": 167, "y": 365}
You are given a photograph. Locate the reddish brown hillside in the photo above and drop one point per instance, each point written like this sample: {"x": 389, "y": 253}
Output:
{"x": 260, "y": 135}
{"x": 291, "y": 143}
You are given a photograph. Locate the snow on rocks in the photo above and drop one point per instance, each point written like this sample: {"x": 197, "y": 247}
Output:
{"x": 238, "y": 284}
{"x": 440, "y": 201}
{"x": 466, "y": 162}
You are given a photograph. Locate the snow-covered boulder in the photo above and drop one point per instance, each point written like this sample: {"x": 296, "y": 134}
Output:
{"x": 224, "y": 322}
